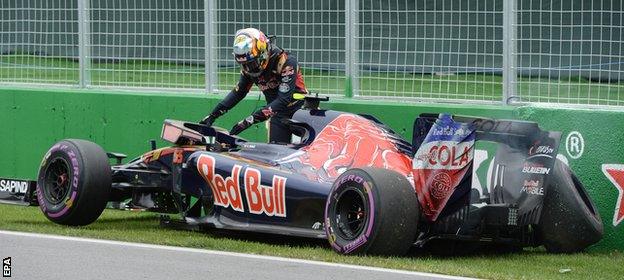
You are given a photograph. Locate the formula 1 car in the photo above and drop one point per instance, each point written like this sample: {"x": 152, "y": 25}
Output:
{"x": 349, "y": 179}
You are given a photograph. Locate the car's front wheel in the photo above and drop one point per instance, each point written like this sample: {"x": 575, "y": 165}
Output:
{"x": 74, "y": 182}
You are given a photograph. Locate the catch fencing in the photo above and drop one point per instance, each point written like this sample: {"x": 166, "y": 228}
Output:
{"x": 485, "y": 51}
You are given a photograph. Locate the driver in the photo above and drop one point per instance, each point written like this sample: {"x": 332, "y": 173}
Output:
{"x": 278, "y": 76}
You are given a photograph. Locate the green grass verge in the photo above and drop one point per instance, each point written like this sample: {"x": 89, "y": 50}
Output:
{"x": 143, "y": 227}
{"x": 478, "y": 87}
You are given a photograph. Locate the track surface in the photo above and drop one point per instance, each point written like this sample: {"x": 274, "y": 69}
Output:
{"x": 38, "y": 256}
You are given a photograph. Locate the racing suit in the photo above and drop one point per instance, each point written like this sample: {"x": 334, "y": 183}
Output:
{"x": 283, "y": 88}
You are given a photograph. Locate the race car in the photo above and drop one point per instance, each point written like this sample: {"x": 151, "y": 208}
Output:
{"x": 349, "y": 179}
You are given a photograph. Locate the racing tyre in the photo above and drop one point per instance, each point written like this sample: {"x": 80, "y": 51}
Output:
{"x": 371, "y": 211}
{"x": 74, "y": 182}
{"x": 569, "y": 221}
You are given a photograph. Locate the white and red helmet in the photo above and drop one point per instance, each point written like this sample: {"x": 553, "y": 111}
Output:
{"x": 251, "y": 51}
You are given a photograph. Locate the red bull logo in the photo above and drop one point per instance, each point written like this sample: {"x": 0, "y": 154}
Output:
{"x": 351, "y": 141}
{"x": 532, "y": 187}
{"x": 267, "y": 200}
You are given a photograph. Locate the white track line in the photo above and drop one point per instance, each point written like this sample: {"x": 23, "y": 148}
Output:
{"x": 222, "y": 253}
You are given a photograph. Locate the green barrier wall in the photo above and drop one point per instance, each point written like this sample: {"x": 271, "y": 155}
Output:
{"x": 32, "y": 120}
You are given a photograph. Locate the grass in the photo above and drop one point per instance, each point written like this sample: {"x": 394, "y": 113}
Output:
{"x": 143, "y": 227}
{"x": 479, "y": 87}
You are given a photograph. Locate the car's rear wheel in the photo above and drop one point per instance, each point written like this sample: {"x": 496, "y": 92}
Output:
{"x": 74, "y": 182}
{"x": 371, "y": 211}
{"x": 570, "y": 221}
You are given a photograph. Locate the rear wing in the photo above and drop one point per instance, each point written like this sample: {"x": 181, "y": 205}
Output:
{"x": 515, "y": 133}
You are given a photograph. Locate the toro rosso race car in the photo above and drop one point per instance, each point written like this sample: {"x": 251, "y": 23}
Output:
{"x": 349, "y": 179}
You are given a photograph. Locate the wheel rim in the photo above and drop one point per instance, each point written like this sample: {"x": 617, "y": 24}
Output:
{"x": 56, "y": 183}
{"x": 351, "y": 212}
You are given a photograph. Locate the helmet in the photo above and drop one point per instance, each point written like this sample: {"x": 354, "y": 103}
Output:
{"x": 251, "y": 51}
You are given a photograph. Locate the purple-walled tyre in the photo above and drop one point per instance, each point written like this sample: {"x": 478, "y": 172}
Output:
{"x": 74, "y": 182}
{"x": 371, "y": 211}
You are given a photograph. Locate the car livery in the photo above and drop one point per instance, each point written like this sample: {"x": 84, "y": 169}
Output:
{"x": 350, "y": 179}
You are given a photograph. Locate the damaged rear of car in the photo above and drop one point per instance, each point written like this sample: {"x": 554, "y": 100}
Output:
{"x": 533, "y": 198}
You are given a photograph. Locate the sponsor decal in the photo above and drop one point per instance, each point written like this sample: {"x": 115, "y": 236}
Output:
{"x": 445, "y": 156}
{"x": 75, "y": 169}
{"x": 6, "y": 267}
{"x": 441, "y": 163}
{"x": 575, "y": 144}
{"x": 288, "y": 70}
{"x": 353, "y": 178}
{"x": 541, "y": 151}
{"x": 355, "y": 244}
{"x": 267, "y": 200}
{"x": 284, "y": 87}
{"x": 335, "y": 148}
{"x": 615, "y": 174}
{"x": 450, "y": 131}
{"x": 226, "y": 191}
{"x": 441, "y": 185}
{"x": 13, "y": 186}
{"x": 535, "y": 169}
{"x": 267, "y": 85}
{"x": 532, "y": 187}
{"x": 484, "y": 169}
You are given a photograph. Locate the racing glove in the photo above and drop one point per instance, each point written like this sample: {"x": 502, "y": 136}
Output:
{"x": 242, "y": 125}
{"x": 219, "y": 110}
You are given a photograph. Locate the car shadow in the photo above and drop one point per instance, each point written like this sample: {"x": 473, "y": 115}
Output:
{"x": 444, "y": 249}
{"x": 266, "y": 238}
{"x": 439, "y": 249}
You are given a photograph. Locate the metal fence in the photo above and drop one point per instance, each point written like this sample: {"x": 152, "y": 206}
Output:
{"x": 445, "y": 50}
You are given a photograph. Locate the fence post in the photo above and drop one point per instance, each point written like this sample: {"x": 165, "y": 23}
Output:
{"x": 210, "y": 70}
{"x": 84, "y": 44}
{"x": 352, "y": 73}
{"x": 510, "y": 71}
